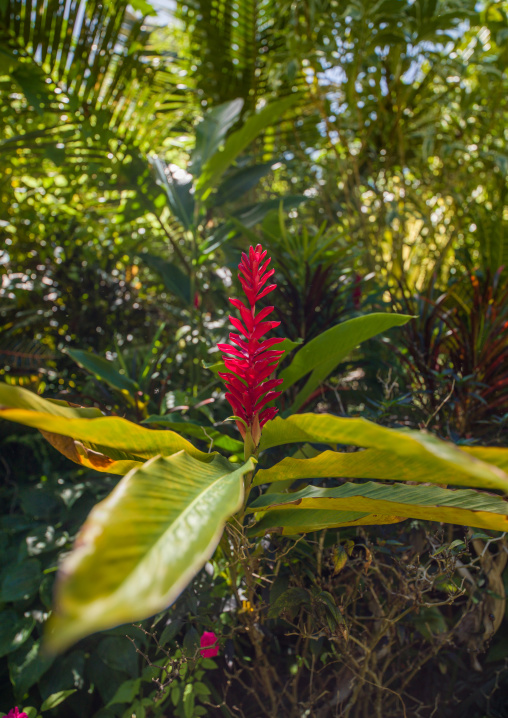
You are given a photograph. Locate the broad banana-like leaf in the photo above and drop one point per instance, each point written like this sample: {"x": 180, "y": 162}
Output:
{"x": 322, "y": 354}
{"x": 379, "y": 464}
{"x": 302, "y": 521}
{"x": 15, "y": 397}
{"x": 96, "y": 442}
{"x": 490, "y": 454}
{"x": 99, "y": 458}
{"x": 431, "y": 503}
{"x": 414, "y": 450}
{"x": 218, "y": 163}
{"x": 140, "y": 547}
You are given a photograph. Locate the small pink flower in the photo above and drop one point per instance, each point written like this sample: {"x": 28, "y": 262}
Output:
{"x": 209, "y": 639}
{"x": 14, "y": 713}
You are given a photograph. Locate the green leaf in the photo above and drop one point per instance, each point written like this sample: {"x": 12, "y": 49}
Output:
{"x": 287, "y": 346}
{"x": 240, "y": 182}
{"x": 57, "y": 698}
{"x": 141, "y": 546}
{"x": 14, "y": 631}
{"x": 175, "y": 693}
{"x": 175, "y": 281}
{"x": 215, "y": 368}
{"x": 191, "y": 642}
{"x": 119, "y": 654}
{"x": 21, "y": 581}
{"x": 212, "y": 130}
{"x": 170, "y": 631}
{"x": 218, "y": 163}
{"x": 27, "y": 665}
{"x": 333, "y": 615}
{"x": 188, "y": 701}
{"x": 289, "y": 602}
{"x": 206, "y": 433}
{"x": 253, "y": 214}
{"x": 340, "y": 557}
{"x": 240, "y": 221}
{"x": 127, "y": 692}
{"x": 143, "y": 7}
{"x": 8, "y": 61}
{"x": 67, "y": 672}
{"x": 430, "y": 621}
{"x": 32, "y": 83}
{"x": 322, "y": 354}
{"x": 301, "y": 521}
{"x": 414, "y": 452}
{"x": 430, "y": 503}
{"x": 38, "y": 503}
{"x": 109, "y": 443}
{"x": 201, "y": 690}
{"x": 179, "y": 194}
{"x": 208, "y": 663}
{"x": 103, "y": 369}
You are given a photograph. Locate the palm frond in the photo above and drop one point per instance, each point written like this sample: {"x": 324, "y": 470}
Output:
{"x": 24, "y": 356}
{"x": 87, "y": 73}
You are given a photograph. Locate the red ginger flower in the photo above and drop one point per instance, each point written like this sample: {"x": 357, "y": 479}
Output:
{"x": 15, "y": 713}
{"x": 252, "y": 359}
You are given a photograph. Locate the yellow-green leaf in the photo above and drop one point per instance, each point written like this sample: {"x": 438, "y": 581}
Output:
{"x": 107, "y": 437}
{"x": 490, "y": 454}
{"x": 378, "y": 464}
{"x": 411, "y": 452}
{"x": 19, "y": 398}
{"x": 114, "y": 462}
{"x": 141, "y": 546}
{"x": 301, "y": 521}
{"x": 431, "y": 503}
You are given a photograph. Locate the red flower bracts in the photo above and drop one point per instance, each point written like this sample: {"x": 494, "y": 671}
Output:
{"x": 252, "y": 359}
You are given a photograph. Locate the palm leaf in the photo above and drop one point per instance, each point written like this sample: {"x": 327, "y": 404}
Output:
{"x": 85, "y": 68}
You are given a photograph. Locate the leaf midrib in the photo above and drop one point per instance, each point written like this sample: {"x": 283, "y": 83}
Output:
{"x": 183, "y": 513}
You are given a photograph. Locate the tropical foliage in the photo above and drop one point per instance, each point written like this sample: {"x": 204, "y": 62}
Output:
{"x": 351, "y": 558}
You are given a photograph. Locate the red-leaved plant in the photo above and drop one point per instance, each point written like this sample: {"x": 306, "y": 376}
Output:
{"x": 252, "y": 359}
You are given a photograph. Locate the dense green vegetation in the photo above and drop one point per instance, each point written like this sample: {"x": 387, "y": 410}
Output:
{"x": 364, "y": 145}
